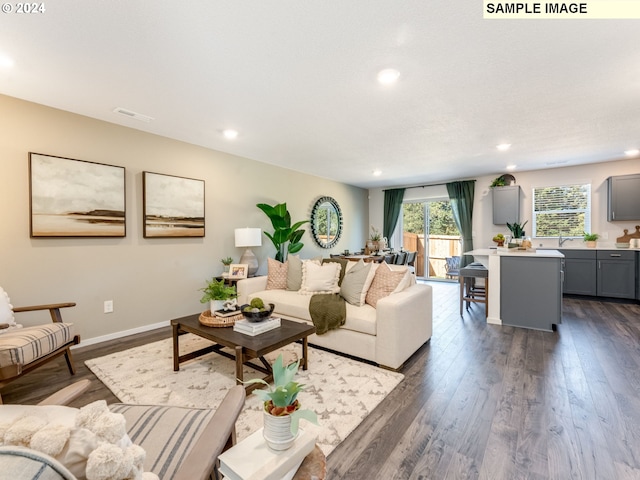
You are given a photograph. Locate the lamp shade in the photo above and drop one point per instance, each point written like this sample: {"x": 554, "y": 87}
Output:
{"x": 248, "y": 237}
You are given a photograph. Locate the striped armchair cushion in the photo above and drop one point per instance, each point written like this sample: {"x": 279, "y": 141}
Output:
{"x": 23, "y": 346}
{"x": 166, "y": 433}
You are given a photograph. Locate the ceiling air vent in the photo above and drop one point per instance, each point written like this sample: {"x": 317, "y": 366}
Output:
{"x": 130, "y": 114}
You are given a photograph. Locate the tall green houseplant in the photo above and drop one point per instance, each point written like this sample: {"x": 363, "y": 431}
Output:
{"x": 286, "y": 237}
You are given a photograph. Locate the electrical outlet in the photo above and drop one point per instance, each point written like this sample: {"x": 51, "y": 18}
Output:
{"x": 108, "y": 306}
{"x": 605, "y": 236}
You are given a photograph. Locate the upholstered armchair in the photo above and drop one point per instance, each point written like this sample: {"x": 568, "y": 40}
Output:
{"x": 24, "y": 349}
{"x": 180, "y": 443}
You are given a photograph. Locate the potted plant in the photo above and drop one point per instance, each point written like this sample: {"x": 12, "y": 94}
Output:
{"x": 226, "y": 262}
{"x": 373, "y": 245}
{"x": 217, "y": 293}
{"x": 283, "y": 230}
{"x": 282, "y": 412}
{"x": 517, "y": 229}
{"x": 498, "y": 182}
{"x": 591, "y": 239}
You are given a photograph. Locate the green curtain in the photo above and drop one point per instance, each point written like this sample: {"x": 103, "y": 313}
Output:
{"x": 461, "y": 197}
{"x": 392, "y": 205}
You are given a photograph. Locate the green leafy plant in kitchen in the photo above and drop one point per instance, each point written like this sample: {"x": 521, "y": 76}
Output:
{"x": 217, "y": 290}
{"x": 282, "y": 399}
{"x": 591, "y": 237}
{"x": 517, "y": 229}
{"x": 498, "y": 182}
{"x": 283, "y": 230}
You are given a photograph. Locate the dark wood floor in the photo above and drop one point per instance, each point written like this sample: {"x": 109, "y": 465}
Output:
{"x": 479, "y": 401}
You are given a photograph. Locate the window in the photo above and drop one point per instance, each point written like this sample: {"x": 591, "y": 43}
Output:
{"x": 563, "y": 210}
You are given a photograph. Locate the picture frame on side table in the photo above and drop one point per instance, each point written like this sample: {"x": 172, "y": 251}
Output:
{"x": 172, "y": 206}
{"x": 75, "y": 198}
{"x": 238, "y": 271}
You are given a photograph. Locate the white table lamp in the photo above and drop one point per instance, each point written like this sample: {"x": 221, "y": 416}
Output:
{"x": 249, "y": 237}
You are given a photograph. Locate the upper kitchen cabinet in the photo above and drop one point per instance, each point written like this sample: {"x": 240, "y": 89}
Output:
{"x": 623, "y": 201}
{"x": 506, "y": 204}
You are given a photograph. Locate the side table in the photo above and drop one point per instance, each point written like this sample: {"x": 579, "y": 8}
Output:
{"x": 313, "y": 467}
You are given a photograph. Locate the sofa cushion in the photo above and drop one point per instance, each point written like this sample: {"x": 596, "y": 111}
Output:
{"x": 354, "y": 285}
{"x": 276, "y": 274}
{"x": 26, "y": 464}
{"x": 384, "y": 283}
{"x": 343, "y": 266}
{"x": 320, "y": 278}
{"x": 291, "y": 305}
{"x": 23, "y": 346}
{"x": 294, "y": 273}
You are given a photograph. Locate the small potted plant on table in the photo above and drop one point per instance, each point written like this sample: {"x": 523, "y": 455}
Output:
{"x": 217, "y": 293}
{"x": 282, "y": 411}
{"x": 226, "y": 262}
{"x": 591, "y": 239}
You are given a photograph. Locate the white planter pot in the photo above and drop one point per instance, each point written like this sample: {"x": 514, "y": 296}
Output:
{"x": 216, "y": 305}
{"x": 277, "y": 432}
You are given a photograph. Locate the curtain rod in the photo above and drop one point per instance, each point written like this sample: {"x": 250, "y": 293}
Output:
{"x": 429, "y": 185}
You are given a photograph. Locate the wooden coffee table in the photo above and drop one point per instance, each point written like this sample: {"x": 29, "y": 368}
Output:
{"x": 245, "y": 348}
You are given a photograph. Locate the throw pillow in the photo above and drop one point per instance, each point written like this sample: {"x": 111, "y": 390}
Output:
{"x": 343, "y": 266}
{"x": 384, "y": 283}
{"x": 320, "y": 278}
{"x": 6, "y": 309}
{"x": 294, "y": 273}
{"x": 354, "y": 282}
{"x": 276, "y": 275}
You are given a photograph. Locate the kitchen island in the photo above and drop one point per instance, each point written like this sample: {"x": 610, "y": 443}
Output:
{"x": 525, "y": 288}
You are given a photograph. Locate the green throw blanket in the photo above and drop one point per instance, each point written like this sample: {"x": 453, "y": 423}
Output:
{"x": 328, "y": 311}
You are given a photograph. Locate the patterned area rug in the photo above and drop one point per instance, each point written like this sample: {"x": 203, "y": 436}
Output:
{"x": 341, "y": 391}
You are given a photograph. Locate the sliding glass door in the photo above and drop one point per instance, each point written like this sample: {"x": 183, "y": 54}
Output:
{"x": 429, "y": 229}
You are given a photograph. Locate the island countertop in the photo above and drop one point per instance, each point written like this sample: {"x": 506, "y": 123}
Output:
{"x": 540, "y": 253}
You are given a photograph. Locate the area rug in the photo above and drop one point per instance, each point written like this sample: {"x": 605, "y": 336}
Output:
{"x": 341, "y": 391}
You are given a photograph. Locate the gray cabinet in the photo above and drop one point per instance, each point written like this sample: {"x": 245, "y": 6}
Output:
{"x": 580, "y": 272}
{"x": 623, "y": 200}
{"x": 616, "y": 273}
{"x": 530, "y": 292}
{"x": 506, "y": 204}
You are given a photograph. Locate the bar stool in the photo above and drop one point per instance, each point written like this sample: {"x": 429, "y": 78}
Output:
{"x": 469, "y": 291}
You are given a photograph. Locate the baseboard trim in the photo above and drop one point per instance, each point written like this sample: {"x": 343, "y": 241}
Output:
{"x": 124, "y": 333}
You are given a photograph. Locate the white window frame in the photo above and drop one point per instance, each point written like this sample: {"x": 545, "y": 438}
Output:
{"x": 587, "y": 211}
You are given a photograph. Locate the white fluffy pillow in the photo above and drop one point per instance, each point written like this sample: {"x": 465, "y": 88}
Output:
{"x": 6, "y": 309}
{"x": 320, "y": 278}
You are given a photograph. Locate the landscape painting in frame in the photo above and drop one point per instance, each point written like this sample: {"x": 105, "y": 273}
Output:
{"x": 173, "y": 206}
{"x": 76, "y": 198}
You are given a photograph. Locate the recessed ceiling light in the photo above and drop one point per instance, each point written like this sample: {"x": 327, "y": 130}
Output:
{"x": 5, "y": 61}
{"x": 503, "y": 147}
{"x": 632, "y": 153}
{"x": 388, "y": 76}
{"x": 377, "y": 172}
{"x": 230, "y": 134}
{"x": 511, "y": 167}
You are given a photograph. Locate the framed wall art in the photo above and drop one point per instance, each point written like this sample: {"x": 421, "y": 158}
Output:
{"x": 75, "y": 198}
{"x": 172, "y": 206}
{"x": 238, "y": 271}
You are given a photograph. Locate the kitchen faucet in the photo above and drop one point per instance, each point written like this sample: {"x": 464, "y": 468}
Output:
{"x": 562, "y": 240}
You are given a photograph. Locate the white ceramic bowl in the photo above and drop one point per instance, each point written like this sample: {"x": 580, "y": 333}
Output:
{"x": 622, "y": 245}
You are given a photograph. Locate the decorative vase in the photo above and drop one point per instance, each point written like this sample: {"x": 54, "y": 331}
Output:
{"x": 591, "y": 244}
{"x": 216, "y": 305}
{"x": 277, "y": 432}
{"x": 500, "y": 244}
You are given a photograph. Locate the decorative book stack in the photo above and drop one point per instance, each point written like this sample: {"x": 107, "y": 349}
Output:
{"x": 251, "y": 459}
{"x": 256, "y": 328}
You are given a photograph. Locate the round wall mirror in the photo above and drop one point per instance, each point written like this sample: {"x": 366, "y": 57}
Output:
{"x": 326, "y": 222}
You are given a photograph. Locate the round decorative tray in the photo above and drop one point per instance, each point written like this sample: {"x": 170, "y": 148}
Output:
{"x": 209, "y": 320}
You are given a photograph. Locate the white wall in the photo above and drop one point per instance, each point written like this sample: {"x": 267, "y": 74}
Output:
{"x": 149, "y": 280}
{"x": 483, "y": 228}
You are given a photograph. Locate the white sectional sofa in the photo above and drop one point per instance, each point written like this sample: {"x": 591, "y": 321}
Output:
{"x": 387, "y": 334}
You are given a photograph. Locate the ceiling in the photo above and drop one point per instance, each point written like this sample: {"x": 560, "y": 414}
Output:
{"x": 297, "y": 80}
